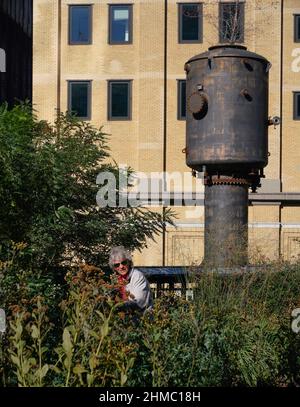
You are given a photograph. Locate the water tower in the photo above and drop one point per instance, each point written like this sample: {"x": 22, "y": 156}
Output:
{"x": 227, "y": 139}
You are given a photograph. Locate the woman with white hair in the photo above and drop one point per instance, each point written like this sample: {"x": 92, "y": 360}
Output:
{"x": 135, "y": 289}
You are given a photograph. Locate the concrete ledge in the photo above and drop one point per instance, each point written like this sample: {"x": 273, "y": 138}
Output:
{"x": 284, "y": 197}
{"x": 191, "y": 198}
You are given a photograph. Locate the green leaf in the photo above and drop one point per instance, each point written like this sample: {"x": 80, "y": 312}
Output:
{"x": 123, "y": 379}
{"x": 93, "y": 362}
{"x": 34, "y": 332}
{"x": 44, "y": 370}
{"x": 15, "y": 360}
{"x": 67, "y": 342}
{"x": 78, "y": 369}
{"x": 94, "y": 334}
{"x": 55, "y": 369}
{"x": 101, "y": 315}
{"x": 130, "y": 363}
{"x": 105, "y": 328}
{"x": 90, "y": 379}
{"x": 26, "y": 367}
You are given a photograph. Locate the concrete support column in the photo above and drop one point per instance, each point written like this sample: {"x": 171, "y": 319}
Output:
{"x": 226, "y": 225}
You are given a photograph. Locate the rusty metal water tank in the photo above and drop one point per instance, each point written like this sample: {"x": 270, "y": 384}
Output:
{"x": 227, "y": 110}
{"x": 227, "y": 138}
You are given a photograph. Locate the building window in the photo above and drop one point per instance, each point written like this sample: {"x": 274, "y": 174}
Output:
{"x": 181, "y": 111}
{"x": 80, "y": 24}
{"x": 231, "y": 27}
{"x": 119, "y": 100}
{"x": 79, "y": 99}
{"x": 190, "y": 22}
{"x": 120, "y": 24}
{"x": 297, "y": 28}
{"x": 296, "y": 105}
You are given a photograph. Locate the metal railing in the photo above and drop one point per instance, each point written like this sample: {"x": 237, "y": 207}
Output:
{"x": 167, "y": 279}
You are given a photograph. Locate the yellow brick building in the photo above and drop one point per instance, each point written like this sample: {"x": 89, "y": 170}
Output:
{"x": 103, "y": 48}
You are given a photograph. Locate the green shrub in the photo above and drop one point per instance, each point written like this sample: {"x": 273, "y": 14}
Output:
{"x": 48, "y": 194}
{"x": 236, "y": 332}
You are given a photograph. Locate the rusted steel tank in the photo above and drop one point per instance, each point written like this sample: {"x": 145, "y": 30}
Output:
{"x": 227, "y": 138}
{"x": 227, "y": 109}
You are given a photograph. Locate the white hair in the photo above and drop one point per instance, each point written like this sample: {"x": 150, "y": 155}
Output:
{"x": 118, "y": 253}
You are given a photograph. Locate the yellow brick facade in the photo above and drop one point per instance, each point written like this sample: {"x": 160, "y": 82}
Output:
{"x": 154, "y": 138}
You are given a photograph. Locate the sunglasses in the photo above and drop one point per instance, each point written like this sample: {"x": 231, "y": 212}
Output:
{"x": 124, "y": 263}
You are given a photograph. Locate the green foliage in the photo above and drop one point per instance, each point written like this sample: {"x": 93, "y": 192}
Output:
{"x": 48, "y": 190}
{"x": 92, "y": 349}
{"x": 232, "y": 334}
{"x": 48, "y": 204}
{"x": 236, "y": 331}
{"x": 49, "y": 220}
{"x": 27, "y": 350}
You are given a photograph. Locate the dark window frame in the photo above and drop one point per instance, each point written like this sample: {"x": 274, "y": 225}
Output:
{"x": 90, "y": 8}
{"x": 295, "y": 105}
{"x": 296, "y": 29}
{"x": 223, "y": 40}
{"x": 179, "y": 97}
{"x": 200, "y": 22}
{"x": 130, "y": 23}
{"x": 109, "y": 100}
{"x": 89, "y": 98}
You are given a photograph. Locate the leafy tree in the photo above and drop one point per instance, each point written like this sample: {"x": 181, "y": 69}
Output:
{"x": 48, "y": 192}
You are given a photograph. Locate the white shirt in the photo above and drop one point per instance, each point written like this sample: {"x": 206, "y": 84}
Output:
{"x": 139, "y": 288}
